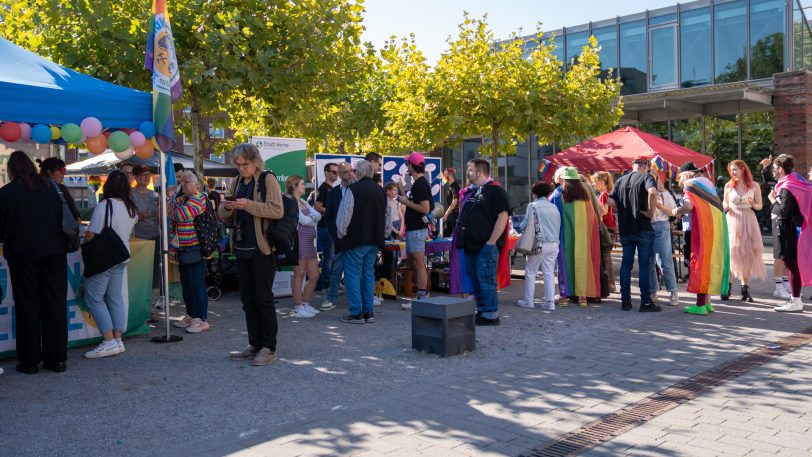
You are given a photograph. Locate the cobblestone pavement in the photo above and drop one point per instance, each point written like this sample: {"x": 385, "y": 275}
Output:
{"x": 360, "y": 390}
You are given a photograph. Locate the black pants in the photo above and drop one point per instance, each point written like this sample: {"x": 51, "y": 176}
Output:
{"x": 450, "y": 224}
{"x": 256, "y": 292}
{"x": 40, "y": 287}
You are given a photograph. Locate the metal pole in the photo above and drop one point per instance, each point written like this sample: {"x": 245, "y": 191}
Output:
{"x": 168, "y": 338}
{"x": 529, "y": 171}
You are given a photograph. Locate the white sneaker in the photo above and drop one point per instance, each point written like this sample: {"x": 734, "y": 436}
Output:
{"x": 674, "y": 299}
{"x": 327, "y": 305}
{"x": 376, "y": 301}
{"x": 794, "y": 305}
{"x": 548, "y": 306}
{"x": 160, "y": 303}
{"x": 197, "y": 326}
{"x": 105, "y": 349}
{"x": 525, "y": 304}
{"x": 301, "y": 312}
{"x": 781, "y": 292}
{"x": 183, "y": 323}
{"x": 120, "y": 346}
{"x": 310, "y": 309}
{"x": 407, "y": 305}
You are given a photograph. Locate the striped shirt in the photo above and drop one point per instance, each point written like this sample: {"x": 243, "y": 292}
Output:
{"x": 183, "y": 216}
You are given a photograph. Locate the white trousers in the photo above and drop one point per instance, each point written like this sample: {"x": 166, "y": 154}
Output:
{"x": 546, "y": 260}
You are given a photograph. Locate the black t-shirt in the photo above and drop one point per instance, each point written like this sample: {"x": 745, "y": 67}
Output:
{"x": 244, "y": 218}
{"x": 479, "y": 217}
{"x": 452, "y": 191}
{"x": 321, "y": 197}
{"x": 420, "y": 192}
{"x": 631, "y": 195}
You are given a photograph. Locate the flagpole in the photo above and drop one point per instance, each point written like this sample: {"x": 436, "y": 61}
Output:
{"x": 168, "y": 338}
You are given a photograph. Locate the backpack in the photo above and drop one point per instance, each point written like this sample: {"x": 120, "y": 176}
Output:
{"x": 282, "y": 233}
{"x": 207, "y": 230}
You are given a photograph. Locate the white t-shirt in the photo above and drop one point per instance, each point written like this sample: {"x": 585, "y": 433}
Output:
{"x": 122, "y": 223}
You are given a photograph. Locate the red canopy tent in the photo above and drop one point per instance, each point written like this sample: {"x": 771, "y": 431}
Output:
{"x": 616, "y": 150}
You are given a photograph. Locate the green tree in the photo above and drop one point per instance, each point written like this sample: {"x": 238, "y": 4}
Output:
{"x": 261, "y": 62}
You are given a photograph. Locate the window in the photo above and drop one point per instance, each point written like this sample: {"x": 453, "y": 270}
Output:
{"x": 663, "y": 56}
{"x": 695, "y": 41}
{"x": 730, "y": 42}
{"x": 767, "y": 19}
{"x": 633, "y": 66}
{"x": 575, "y": 44}
{"x": 607, "y": 40}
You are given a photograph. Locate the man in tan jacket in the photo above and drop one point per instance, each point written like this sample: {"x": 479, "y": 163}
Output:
{"x": 255, "y": 261}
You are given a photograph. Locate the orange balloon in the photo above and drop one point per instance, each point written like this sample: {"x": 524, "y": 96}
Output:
{"x": 144, "y": 152}
{"x": 97, "y": 144}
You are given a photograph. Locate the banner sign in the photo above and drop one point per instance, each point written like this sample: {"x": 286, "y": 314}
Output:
{"x": 82, "y": 329}
{"x": 394, "y": 169}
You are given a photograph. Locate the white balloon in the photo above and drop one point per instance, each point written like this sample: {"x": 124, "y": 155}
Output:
{"x": 125, "y": 154}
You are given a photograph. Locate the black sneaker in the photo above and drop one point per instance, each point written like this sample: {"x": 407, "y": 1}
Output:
{"x": 352, "y": 319}
{"x": 485, "y": 321}
{"x": 626, "y": 306}
{"x": 649, "y": 308}
{"x": 369, "y": 317}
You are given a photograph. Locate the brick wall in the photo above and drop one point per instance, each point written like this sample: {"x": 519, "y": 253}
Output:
{"x": 792, "y": 104}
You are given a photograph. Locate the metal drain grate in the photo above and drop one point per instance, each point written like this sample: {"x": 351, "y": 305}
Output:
{"x": 623, "y": 420}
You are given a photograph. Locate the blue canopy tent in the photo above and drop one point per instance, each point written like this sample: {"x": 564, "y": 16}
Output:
{"x": 37, "y": 91}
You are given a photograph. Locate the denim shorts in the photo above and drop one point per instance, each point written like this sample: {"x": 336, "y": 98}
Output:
{"x": 416, "y": 240}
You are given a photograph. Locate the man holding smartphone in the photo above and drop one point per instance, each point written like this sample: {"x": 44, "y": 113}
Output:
{"x": 418, "y": 205}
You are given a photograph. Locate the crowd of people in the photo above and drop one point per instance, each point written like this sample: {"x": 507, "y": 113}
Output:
{"x": 572, "y": 227}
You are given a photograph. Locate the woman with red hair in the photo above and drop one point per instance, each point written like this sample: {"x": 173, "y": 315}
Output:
{"x": 741, "y": 199}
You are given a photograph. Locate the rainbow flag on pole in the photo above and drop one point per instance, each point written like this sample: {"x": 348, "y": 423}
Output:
{"x": 160, "y": 59}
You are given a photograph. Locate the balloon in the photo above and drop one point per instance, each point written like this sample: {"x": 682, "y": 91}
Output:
{"x": 119, "y": 141}
{"x": 25, "y": 131}
{"x": 96, "y": 144}
{"x": 147, "y": 128}
{"x": 10, "y": 131}
{"x": 144, "y": 152}
{"x": 125, "y": 154}
{"x": 91, "y": 126}
{"x": 55, "y": 132}
{"x": 41, "y": 133}
{"x": 71, "y": 132}
{"x": 137, "y": 139}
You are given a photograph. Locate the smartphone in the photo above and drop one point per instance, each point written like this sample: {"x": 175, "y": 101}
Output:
{"x": 230, "y": 198}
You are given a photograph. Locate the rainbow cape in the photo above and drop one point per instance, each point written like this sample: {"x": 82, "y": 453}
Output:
{"x": 581, "y": 248}
{"x": 801, "y": 189}
{"x": 710, "y": 247}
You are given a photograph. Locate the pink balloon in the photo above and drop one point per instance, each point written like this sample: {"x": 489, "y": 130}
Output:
{"x": 137, "y": 139}
{"x": 25, "y": 131}
{"x": 91, "y": 127}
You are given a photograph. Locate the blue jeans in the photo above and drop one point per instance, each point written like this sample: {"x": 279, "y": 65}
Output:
{"x": 104, "y": 297}
{"x": 193, "y": 283}
{"x": 336, "y": 270}
{"x": 481, "y": 267}
{"x": 324, "y": 243}
{"x": 640, "y": 242}
{"x": 662, "y": 249}
{"x": 359, "y": 278}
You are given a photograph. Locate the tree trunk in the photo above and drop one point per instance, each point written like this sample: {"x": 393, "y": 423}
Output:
{"x": 197, "y": 142}
{"x": 495, "y": 153}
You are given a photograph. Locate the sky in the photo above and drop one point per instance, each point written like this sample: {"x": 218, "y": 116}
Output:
{"x": 433, "y": 21}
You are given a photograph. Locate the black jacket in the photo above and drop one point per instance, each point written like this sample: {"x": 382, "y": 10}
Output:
{"x": 331, "y": 213}
{"x": 31, "y": 221}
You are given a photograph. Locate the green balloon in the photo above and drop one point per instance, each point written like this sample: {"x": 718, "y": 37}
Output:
{"x": 71, "y": 133}
{"x": 119, "y": 141}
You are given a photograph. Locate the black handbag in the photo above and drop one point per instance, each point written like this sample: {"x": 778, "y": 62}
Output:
{"x": 106, "y": 249}
{"x": 189, "y": 255}
{"x": 69, "y": 225}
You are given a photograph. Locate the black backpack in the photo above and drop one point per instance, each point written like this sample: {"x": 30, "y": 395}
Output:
{"x": 208, "y": 231}
{"x": 282, "y": 234}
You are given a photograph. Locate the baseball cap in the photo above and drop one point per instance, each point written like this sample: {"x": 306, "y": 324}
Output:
{"x": 416, "y": 158}
{"x": 641, "y": 159}
{"x": 688, "y": 166}
{"x": 571, "y": 173}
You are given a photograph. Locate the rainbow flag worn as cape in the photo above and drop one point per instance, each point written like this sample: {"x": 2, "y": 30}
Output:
{"x": 710, "y": 247}
{"x": 801, "y": 189}
{"x": 582, "y": 248}
{"x": 160, "y": 59}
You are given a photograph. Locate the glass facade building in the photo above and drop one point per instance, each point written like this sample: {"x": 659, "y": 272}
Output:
{"x": 697, "y": 73}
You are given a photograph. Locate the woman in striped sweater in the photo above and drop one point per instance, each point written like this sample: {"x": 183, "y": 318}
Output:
{"x": 188, "y": 204}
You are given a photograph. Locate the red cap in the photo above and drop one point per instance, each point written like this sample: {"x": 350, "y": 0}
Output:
{"x": 416, "y": 158}
{"x": 641, "y": 159}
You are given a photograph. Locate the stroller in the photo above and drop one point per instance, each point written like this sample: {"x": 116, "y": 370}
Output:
{"x": 214, "y": 272}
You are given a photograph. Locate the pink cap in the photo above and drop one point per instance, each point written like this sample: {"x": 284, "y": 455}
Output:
{"x": 416, "y": 158}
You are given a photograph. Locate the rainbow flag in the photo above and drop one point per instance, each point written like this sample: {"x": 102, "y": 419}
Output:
{"x": 582, "y": 248}
{"x": 160, "y": 59}
{"x": 543, "y": 166}
{"x": 710, "y": 247}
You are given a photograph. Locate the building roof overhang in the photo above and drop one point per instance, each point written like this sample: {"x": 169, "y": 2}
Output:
{"x": 717, "y": 100}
